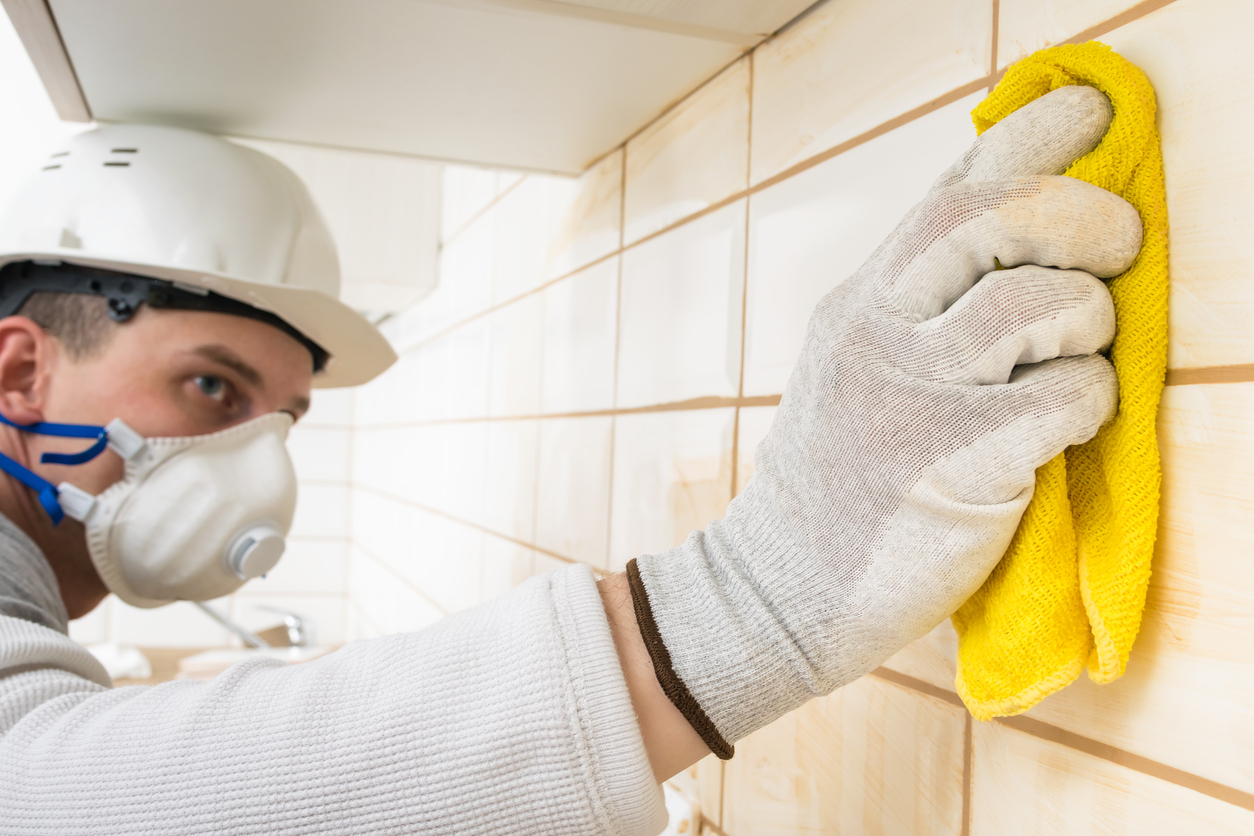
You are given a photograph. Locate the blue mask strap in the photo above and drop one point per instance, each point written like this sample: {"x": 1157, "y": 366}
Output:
{"x": 78, "y": 458}
{"x": 47, "y": 491}
{"x": 66, "y": 431}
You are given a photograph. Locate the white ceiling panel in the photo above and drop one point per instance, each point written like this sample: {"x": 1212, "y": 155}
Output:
{"x": 533, "y": 84}
{"x": 744, "y": 16}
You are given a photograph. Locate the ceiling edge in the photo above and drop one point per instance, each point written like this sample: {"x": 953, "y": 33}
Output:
{"x": 37, "y": 28}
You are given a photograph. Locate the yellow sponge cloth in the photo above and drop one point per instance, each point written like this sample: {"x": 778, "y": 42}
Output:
{"x": 1071, "y": 587}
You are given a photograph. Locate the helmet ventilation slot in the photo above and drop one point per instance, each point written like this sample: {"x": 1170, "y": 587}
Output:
{"x": 121, "y": 151}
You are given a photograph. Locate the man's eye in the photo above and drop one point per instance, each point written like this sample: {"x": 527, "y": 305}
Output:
{"x": 214, "y": 387}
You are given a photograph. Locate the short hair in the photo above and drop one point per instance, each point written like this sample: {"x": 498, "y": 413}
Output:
{"x": 80, "y": 321}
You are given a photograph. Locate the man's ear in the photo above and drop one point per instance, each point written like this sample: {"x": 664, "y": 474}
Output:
{"x": 27, "y": 357}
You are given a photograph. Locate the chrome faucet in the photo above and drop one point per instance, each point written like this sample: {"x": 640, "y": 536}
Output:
{"x": 297, "y": 632}
{"x": 245, "y": 635}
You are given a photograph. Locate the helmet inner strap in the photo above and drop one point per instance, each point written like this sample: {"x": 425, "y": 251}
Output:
{"x": 125, "y": 292}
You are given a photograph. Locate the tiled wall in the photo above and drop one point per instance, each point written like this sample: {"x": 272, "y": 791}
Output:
{"x": 384, "y": 213}
{"x": 602, "y": 355}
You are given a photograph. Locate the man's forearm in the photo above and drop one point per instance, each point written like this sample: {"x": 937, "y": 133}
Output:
{"x": 511, "y": 718}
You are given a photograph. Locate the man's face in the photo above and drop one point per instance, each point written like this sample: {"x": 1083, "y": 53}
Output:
{"x": 173, "y": 373}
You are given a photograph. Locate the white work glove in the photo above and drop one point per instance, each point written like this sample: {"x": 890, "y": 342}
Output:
{"x": 930, "y": 388}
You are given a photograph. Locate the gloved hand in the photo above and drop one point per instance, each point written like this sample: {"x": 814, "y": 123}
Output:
{"x": 930, "y": 387}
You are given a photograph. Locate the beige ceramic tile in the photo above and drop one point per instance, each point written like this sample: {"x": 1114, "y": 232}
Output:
{"x": 812, "y": 231}
{"x": 1028, "y": 25}
{"x": 382, "y": 604}
{"x": 330, "y": 408}
{"x": 685, "y": 783}
{"x": 850, "y": 66}
{"x": 441, "y": 392}
{"x": 464, "y": 288}
{"x": 710, "y": 788}
{"x": 318, "y": 454}
{"x": 180, "y": 624}
{"x": 390, "y": 398}
{"x": 420, "y": 387}
{"x": 580, "y": 322}
{"x": 322, "y": 615}
{"x": 438, "y": 466}
{"x": 463, "y": 390}
{"x": 1187, "y": 699}
{"x": 467, "y": 190}
{"x": 573, "y": 495}
{"x": 410, "y": 326}
{"x": 321, "y": 511}
{"x": 870, "y": 758}
{"x": 680, "y": 315}
{"x": 1196, "y": 52}
{"x": 509, "y": 487}
{"x": 682, "y": 812}
{"x": 931, "y": 658}
{"x": 376, "y": 453}
{"x": 672, "y": 475}
{"x": 517, "y": 356}
{"x": 703, "y": 783}
{"x": 357, "y": 625}
{"x": 543, "y": 563}
{"x": 436, "y": 557}
{"x": 1024, "y": 786}
{"x": 694, "y": 155}
{"x": 755, "y": 422}
{"x": 452, "y": 479}
{"x": 591, "y": 224}
{"x": 447, "y": 378}
{"x": 383, "y": 212}
{"x": 308, "y": 566}
{"x": 385, "y": 528}
{"x": 506, "y": 180}
{"x": 521, "y": 239}
{"x": 505, "y": 565}
{"x": 531, "y": 222}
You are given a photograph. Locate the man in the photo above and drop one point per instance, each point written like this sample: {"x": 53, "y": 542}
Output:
{"x": 930, "y": 387}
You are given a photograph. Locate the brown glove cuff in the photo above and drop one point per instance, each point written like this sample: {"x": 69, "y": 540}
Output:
{"x": 672, "y": 685}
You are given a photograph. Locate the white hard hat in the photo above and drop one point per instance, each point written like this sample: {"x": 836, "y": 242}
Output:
{"x": 209, "y": 215}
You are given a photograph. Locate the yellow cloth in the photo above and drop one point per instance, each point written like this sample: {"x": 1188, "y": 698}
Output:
{"x": 1071, "y": 587}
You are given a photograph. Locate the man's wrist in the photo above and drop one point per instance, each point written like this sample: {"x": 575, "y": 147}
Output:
{"x": 669, "y": 681}
{"x": 670, "y": 740}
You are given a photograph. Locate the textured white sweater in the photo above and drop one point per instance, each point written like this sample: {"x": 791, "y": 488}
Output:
{"x": 511, "y": 718}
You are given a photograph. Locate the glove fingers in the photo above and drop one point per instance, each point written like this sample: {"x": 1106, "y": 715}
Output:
{"x": 1042, "y": 137}
{"x": 1011, "y": 318}
{"x": 963, "y": 232}
{"x": 1069, "y": 399}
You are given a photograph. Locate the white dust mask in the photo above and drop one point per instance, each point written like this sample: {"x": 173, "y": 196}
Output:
{"x": 193, "y": 518}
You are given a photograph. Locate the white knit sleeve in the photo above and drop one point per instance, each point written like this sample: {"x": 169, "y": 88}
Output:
{"x": 511, "y": 718}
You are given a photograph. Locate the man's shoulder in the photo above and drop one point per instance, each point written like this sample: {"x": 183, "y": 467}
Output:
{"x": 28, "y": 587}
